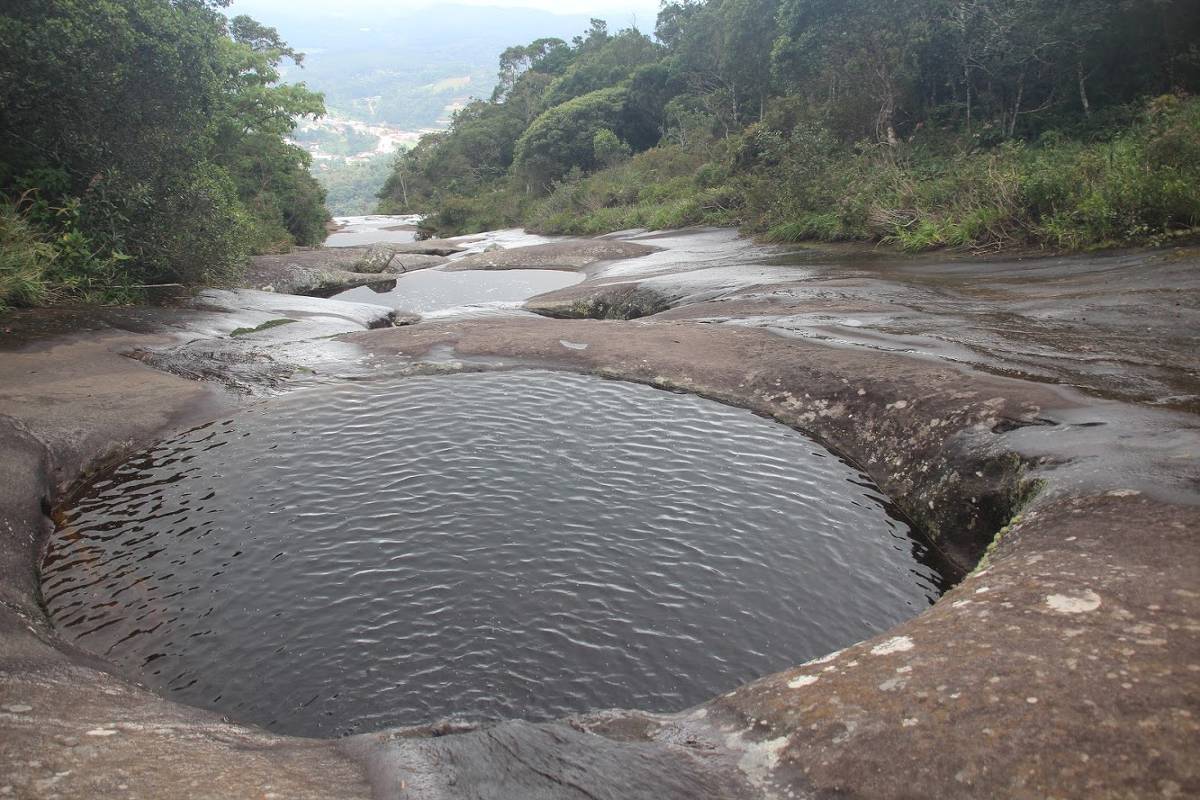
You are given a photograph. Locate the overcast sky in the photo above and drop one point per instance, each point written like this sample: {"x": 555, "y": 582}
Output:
{"x": 618, "y": 13}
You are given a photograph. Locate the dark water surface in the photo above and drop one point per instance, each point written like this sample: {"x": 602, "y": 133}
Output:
{"x": 500, "y": 545}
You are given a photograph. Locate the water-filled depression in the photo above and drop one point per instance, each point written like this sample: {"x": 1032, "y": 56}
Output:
{"x": 523, "y": 544}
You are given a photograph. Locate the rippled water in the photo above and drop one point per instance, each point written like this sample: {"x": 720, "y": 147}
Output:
{"x": 432, "y": 290}
{"x": 499, "y": 545}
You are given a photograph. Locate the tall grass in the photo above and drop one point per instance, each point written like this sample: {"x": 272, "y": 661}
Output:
{"x": 24, "y": 261}
{"x": 663, "y": 187}
{"x": 1139, "y": 184}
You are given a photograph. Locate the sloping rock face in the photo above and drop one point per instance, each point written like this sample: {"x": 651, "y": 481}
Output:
{"x": 549, "y": 760}
{"x": 323, "y": 271}
{"x": 319, "y": 271}
{"x": 1067, "y": 664}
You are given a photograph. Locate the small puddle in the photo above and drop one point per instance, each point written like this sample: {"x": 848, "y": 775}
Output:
{"x": 523, "y": 544}
{"x": 431, "y": 292}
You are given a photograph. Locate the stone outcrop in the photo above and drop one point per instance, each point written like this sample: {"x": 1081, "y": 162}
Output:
{"x": 323, "y": 271}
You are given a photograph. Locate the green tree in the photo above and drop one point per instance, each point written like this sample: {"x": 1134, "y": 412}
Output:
{"x": 146, "y": 138}
{"x": 562, "y": 138}
{"x": 600, "y": 63}
{"x": 608, "y": 149}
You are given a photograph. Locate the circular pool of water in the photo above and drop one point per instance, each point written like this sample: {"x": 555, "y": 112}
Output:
{"x": 522, "y": 544}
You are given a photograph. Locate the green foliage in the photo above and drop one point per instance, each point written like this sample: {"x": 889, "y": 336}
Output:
{"x": 608, "y": 149}
{"x": 562, "y": 138}
{"x": 352, "y": 188}
{"x": 653, "y": 189}
{"x": 603, "y": 61}
{"x": 196, "y": 232}
{"x": 146, "y": 138}
{"x": 1141, "y": 184}
{"x": 1137, "y": 186}
{"x": 500, "y": 206}
{"x": 973, "y": 123}
{"x": 25, "y": 261}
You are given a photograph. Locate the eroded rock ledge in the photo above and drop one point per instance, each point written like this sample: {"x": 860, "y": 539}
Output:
{"x": 1067, "y": 666}
{"x": 324, "y": 271}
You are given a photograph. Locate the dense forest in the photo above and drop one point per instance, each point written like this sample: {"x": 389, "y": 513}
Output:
{"x": 923, "y": 123}
{"x": 143, "y": 141}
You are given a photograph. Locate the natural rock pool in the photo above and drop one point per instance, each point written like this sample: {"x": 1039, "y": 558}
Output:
{"x": 520, "y": 544}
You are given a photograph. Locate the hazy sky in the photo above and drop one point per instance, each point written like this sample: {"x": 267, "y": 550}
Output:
{"x": 618, "y": 13}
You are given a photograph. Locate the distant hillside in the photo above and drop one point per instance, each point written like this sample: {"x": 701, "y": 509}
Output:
{"x": 404, "y": 68}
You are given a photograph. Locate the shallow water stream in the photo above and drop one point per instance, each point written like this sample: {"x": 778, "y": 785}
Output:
{"x": 524, "y": 544}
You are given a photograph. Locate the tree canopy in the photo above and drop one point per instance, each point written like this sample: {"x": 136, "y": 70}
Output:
{"x": 145, "y": 138}
{"x": 752, "y": 87}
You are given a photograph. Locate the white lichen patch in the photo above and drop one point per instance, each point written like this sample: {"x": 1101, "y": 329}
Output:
{"x": 802, "y": 680}
{"x": 102, "y": 732}
{"x": 1077, "y": 603}
{"x": 825, "y": 658}
{"x": 897, "y": 644}
{"x": 758, "y": 759}
{"x": 17, "y": 708}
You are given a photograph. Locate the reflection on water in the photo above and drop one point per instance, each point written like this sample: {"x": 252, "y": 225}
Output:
{"x": 431, "y": 290}
{"x": 497, "y": 545}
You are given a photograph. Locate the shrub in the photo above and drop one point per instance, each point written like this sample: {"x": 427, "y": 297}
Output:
{"x": 563, "y": 137}
{"x": 24, "y": 261}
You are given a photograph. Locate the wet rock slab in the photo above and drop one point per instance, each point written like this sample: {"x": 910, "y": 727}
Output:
{"x": 257, "y": 342}
{"x": 572, "y": 254}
